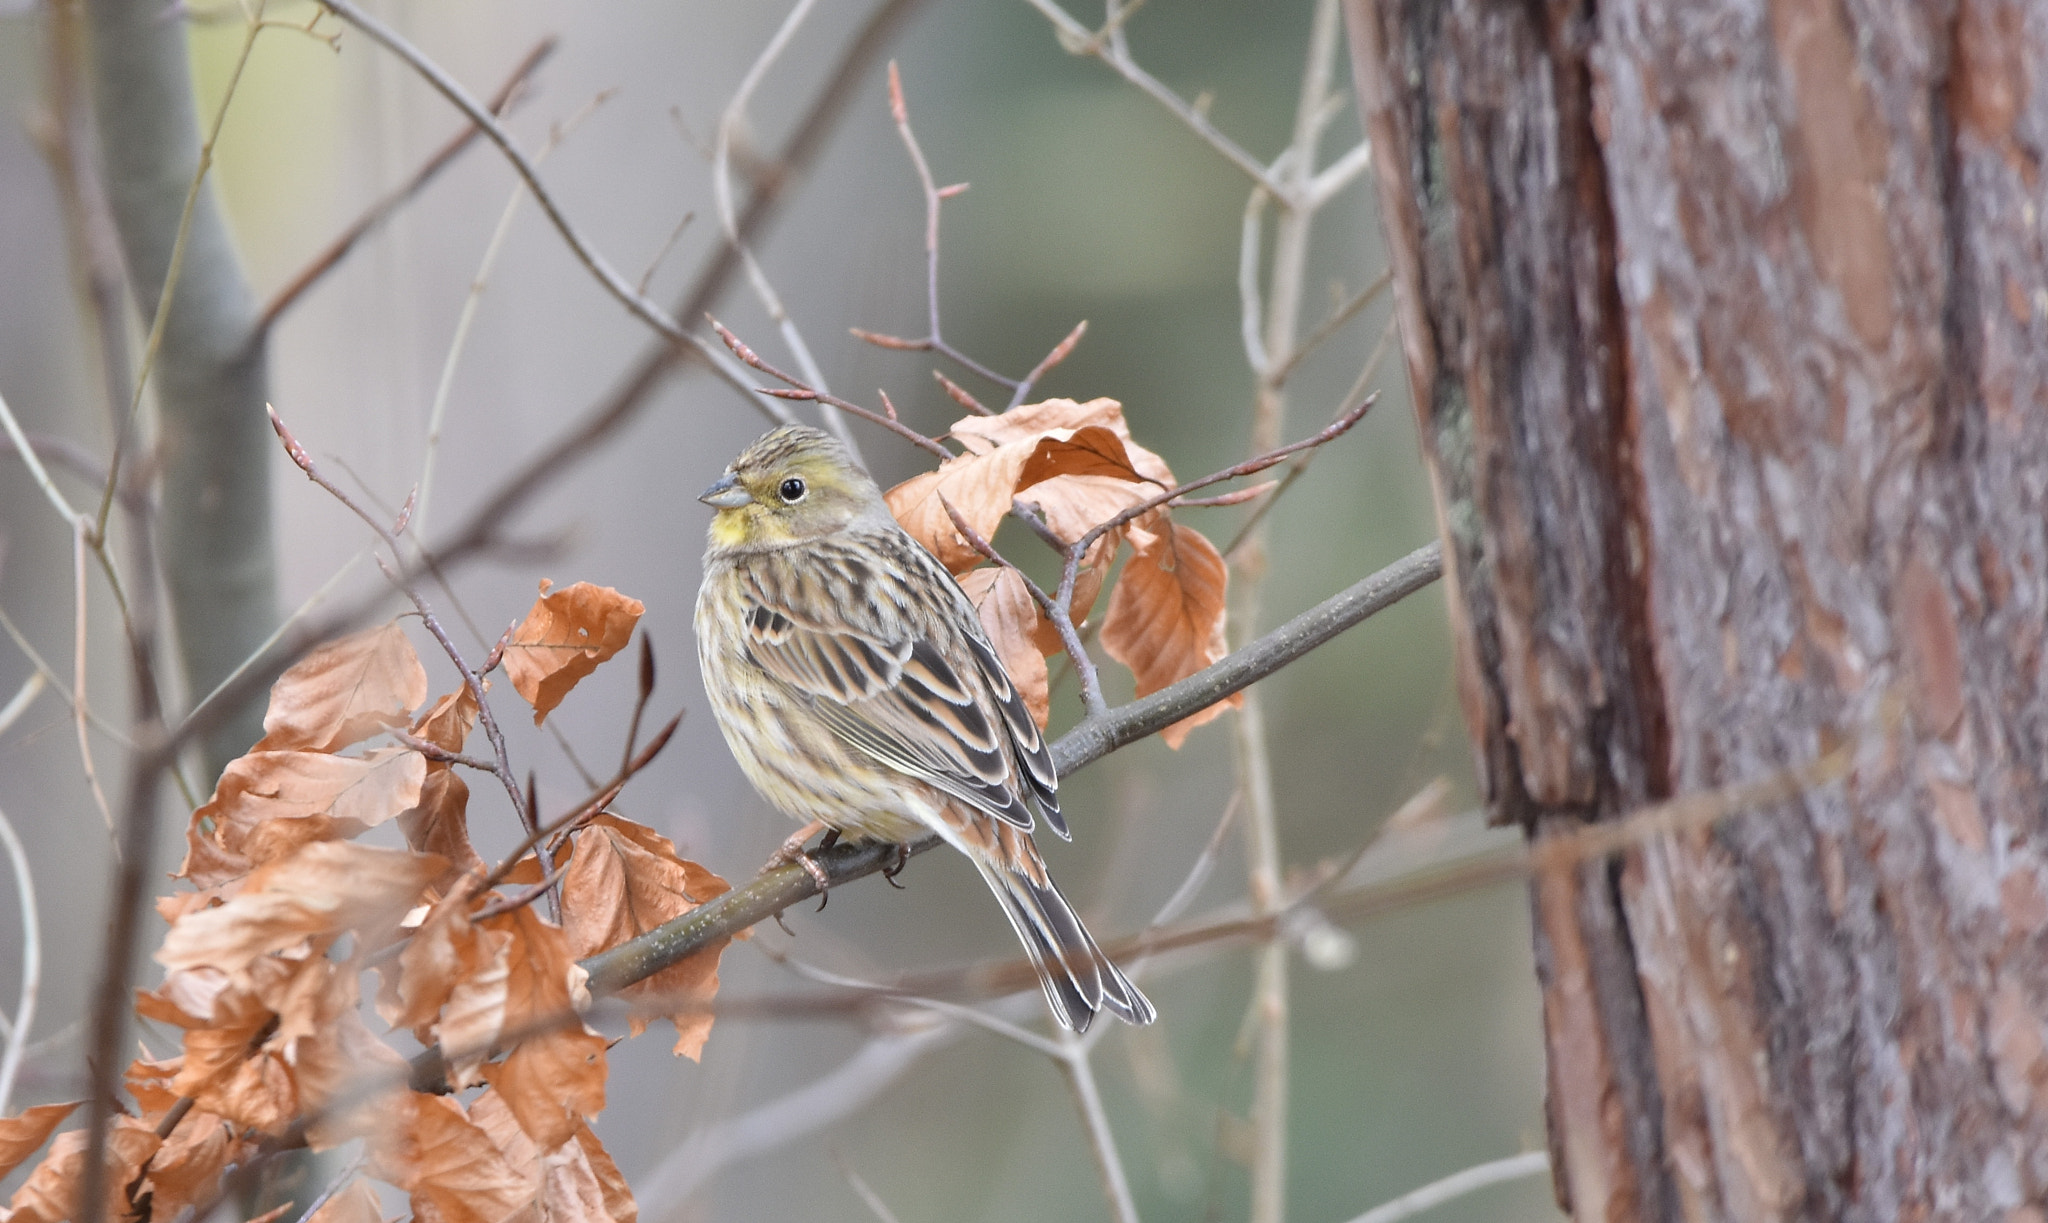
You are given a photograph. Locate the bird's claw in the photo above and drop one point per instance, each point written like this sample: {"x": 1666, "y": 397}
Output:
{"x": 794, "y": 853}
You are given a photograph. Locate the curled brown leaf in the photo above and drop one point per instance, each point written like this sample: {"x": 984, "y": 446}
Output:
{"x": 323, "y": 888}
{"x": 23, "y": 1134}
{"x": 564, "y": 638}
{"x": 1011, "y": 618}
{"x": 344, "y": 692}
{"x": 1165, "y": 618}
{"x": 624, "y": 879}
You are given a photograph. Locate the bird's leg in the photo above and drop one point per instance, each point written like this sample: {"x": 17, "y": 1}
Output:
{"x": 889, "y": 873}
{"x": 793, "y": 853}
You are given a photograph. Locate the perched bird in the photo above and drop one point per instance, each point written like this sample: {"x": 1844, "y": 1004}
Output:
{"x": 857, "y": 689}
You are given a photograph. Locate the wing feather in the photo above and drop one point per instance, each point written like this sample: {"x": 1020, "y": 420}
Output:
{"x": 888, "y": 689}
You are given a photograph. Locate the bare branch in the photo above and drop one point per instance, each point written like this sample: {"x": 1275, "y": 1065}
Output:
{"x": 1077, "y": 39}
{"x": 1457, "y": 1185}
{"x": 405, "y": 585}
{"x": 729, "y": 122}
{"x": 448, "y": 87}
{"x": 802, "y": 390}
{"x": 376, "y": 214}
{"x": 31, "y": 961}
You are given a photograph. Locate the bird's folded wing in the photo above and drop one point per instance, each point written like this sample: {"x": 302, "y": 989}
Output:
{"x": 893, "y": 696}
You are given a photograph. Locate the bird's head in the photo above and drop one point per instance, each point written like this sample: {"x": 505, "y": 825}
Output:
{"x": 796, "y": 483}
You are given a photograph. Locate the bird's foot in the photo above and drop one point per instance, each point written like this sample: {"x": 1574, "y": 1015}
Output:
{"x": 889, "y": 873}
{"x": 794, "y": 853}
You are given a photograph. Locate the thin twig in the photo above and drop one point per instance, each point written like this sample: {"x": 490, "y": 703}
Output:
{"x": 935, "y": 197}
{"x": 23, "y": 697}
{"x": 1457, "y": 1185}
{"x": 1078, "y": 39}
{"x": 729, "y": 123}
{"x": 1265, "y": 866}
{"x": 872, "y": 1200}
{"x": 400, "y": 581}
{"x": 376, "y": 214}
{"x": 1062, "y": 620}
{"x": 1331, "y": 325}
{"x": 637, "y": 304}
{"x": 465, "y": 318}
{"x": 31, "y": 962}
{"x": 79, "y": 713}
{"x": 803, "y": 390}
{"x": 1080, "y": 1074}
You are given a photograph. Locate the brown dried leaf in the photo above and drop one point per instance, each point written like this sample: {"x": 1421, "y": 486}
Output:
{"x": 1165, "y": 619}
{"x": 344, "y": 692}
{"x": 289, "y": 1044}
{"x": 444, "y": 953}
{"x": 1033, "y": 420}
{"x": 187, "y": 1169}
{"x": 25, "y": 1133}
{"x": 576, "y": 1182}
{"x": 355, "y": 1202}
{"x": 324, "y": 888}
{"x": 149, "y": 1080}
{"x": 449, "y": 1166}
{"x": 1012, "y": 620}
{"x": 566, "y": 635}
{"x": 1089, "y": 451}
{"x": 980, "y": 486}
{"x": 625, "y": 879}
{"x": 439, "y": 825}
{"x": 269, "y": 804}
{"x": 554, "y": 1077}
{"x": 51, "y": 1192}
{"x": 447, "y": 723}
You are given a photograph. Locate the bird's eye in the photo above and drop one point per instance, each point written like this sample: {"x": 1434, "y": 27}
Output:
{"x": 792, "y": 490}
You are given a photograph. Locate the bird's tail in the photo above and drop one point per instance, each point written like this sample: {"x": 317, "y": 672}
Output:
{"x": 1079, "y": 980}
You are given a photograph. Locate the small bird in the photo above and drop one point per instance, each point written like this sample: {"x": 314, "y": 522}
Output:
{"x": 855, "y": 686}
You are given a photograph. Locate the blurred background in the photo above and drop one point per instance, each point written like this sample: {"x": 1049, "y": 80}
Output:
{"x": 1416, "y": 1046}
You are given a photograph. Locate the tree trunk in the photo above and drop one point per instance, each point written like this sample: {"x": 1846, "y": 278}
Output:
{"x": 1727, "y": 325}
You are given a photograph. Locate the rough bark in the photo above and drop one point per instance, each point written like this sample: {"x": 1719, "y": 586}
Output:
{"x": 1727, "y": 324}
{"x": 214, "y": 442}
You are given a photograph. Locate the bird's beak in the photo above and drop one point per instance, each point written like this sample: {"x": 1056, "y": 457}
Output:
{"x": 727, "y": 494}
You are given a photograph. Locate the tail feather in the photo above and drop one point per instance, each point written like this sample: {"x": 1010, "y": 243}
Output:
{"x": 1079, "y": 979}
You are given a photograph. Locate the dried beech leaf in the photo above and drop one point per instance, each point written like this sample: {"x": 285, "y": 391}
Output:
{"x": 344, "y": 692}
{"x": 51, "y": 1192}
{"x": 324, "y": 888}
{"x": 566, "y": 635}
{"x": 25, "y": 1133}
{"x": 1089, "y": 451}
{"x": 439, "y": 825}
{"x": 187, "y": 1169}
{"x": 980, "y": 486}
{"x": 149, "y": 1081}
{"x": 1033, "y": 420}
{"x": 625, "y": 879}
{"x": 269, "y": 804}
{"x": 1165, "y": 618}
{"x": 262, "y": 1055}
{"x": 1011, "y": 618}
{"x": 447, "y": 722}
{"x": 444, "y": 952}
{"x": 576, "y": 1182}
{"x": 355, "y": 1202}
{"x": 448, "y": 1165}
{"x": 554, "y": 1076}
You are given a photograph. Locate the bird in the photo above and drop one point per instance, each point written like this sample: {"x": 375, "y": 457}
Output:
{"x": 858, "y": 691}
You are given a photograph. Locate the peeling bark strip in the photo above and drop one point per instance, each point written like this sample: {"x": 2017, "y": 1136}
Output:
{"x": 1727, "y": 323}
